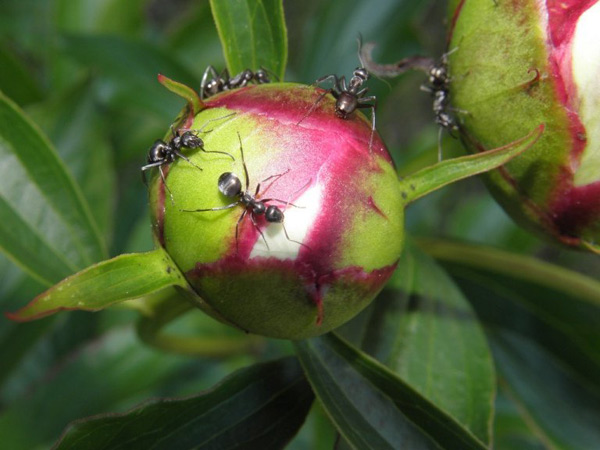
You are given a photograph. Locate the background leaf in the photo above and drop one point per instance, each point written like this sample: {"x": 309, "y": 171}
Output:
{"x": 558, "y": 308}
{"x": 427, "y": 333}
{"x": 253, "y": 34}
{"x": 542, "y": 323}
{"x": 259, "y": 407}
{"x": 371, "y": 406}
{"x": 47, "y": 227}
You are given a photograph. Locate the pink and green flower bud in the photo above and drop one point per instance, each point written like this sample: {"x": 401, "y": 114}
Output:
{"x": 342, "y": 231}
{"x": 515, "y": 65}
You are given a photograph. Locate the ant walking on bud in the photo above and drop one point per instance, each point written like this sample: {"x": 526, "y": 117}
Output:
{"x": 162, "y": 152}
{"x": 212, "y": 83}
{"x": 349, "y": 96}
{"x": 230, "y": 186}
{"x": 438, "y": 84}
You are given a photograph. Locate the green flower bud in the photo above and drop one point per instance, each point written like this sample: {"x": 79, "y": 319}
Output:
{"x": 513, "y": 66}
{"x": 341, "y": 233}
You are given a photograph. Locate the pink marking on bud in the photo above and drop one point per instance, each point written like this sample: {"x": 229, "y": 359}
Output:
{"x": 562, "y": 18}
{"x": 371, "y": 203}
{"x": 315, "y": 284}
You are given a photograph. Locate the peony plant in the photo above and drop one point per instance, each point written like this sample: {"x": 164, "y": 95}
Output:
{"x": 342, "y": 230}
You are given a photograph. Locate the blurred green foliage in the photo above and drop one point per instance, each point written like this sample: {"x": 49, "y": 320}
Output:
{"x": 85, "y": 73}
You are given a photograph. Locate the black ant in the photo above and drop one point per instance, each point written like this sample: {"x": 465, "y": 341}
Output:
{"x": 231, "y": 186}
{"x": 162, "y": 152}
{"x": 349, "y": 97}
{"x": 438, "y": 84}
{"x": 223, "y": 82}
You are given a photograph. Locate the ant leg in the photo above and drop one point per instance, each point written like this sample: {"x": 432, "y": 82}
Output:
{"x": 327, "y": 78}
{"x": 164, "y": 180}
{"x": 147, "y": 167}
{"x": 253, "y": 220}
{"x": 217, "y": 208}
{"x": 293, "y": 240}
{"x": 237, "y": 227}
{"x": 244, "y": 162}
{"x": 182, "y": 156}
{"x": 314, "y": 105}
{"x": 209, "y": 70}
{"x": 362, "y": 103}
{"x": 334, "y": 89}
{"x": 341, "y": 85}
{"x": 276, "y": 176}
{"x": 213, "y": 120}
{"x": 287, "y": 202}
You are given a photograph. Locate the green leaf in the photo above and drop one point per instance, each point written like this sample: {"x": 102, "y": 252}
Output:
{"x": 561, "y": 412}
{"x": 253, "y": 34}
{"x": 110, "y": 373}
{"x": 46, "y": 226}
{"x": 74, "y": 124}
{"x": 424, "y": 330}
{"x": 16, "y": 81}
{"x": 558, "y": 308}
{"x": 262, "y": 406}
{"x": 443, "y": 173}
{"x": 511, "y": 431}
{"x": 194, "y": 103}
{"x": 119, "y": 279}
{"x": 371, "y": 406}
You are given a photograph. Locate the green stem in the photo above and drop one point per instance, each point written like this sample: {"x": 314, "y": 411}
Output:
{"x": 150, "y": 330}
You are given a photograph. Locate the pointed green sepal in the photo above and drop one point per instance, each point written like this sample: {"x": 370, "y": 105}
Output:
{"x": 125, "y": 277}
{"x": 443, "y": 173}
{"x": 194, "y": 103}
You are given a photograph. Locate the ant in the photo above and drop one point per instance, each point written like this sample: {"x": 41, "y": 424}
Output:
{"x": 223, "y": 82}
{"x": 162, "y": 152}
{"x": 349, "y": 97}
{"x": 231, "y": 186}
{"x": 438, "y": 84}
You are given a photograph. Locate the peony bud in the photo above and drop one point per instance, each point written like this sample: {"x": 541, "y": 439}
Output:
{"x": 342, "y": 228}
{"x": 514, "y": 65}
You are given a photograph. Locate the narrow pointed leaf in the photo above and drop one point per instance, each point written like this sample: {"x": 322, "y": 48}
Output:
{"x": 423, "y": 328}
{"x": 441, "y": 174}
{"x": 46, "y": 226}
{"x": 557, "y": 307}
{"x": 262, "y": 406}
{"x": 194, "y": 104}
{"x": 72, "y": 121}
{"x": 371, "y": 406}
{"x": 253, "y": 34}
{"x": 122, "y": 278}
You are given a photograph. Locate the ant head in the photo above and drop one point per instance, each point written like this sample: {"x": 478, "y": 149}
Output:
{"x": 262, "y": 76}
{"x": 361, "y": 73}
{"x": 229, "y": 184}
{"x": 159, "y": 151}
